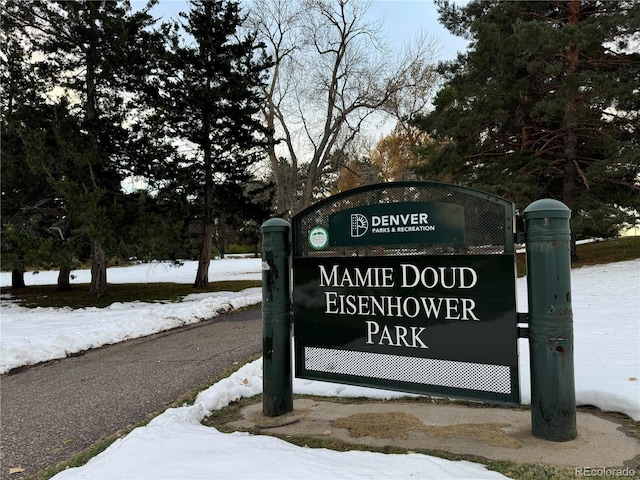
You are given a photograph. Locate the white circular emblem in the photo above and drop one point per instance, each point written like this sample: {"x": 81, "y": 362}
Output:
{"x": 318, "y": 238}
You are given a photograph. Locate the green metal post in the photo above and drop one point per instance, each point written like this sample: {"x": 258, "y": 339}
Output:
{"x": 277, "y": 379}
{"x": 548, "y": 247}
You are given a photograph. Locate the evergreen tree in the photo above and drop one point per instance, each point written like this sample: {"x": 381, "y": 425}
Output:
{"x": 256, "y": 209}
{"x": 97, "y": 53}
{"x": 40, "y": 170}
{"x": 157, "y": 225}
{"x": 209, "y": 97}
{"x": 14, "y": 75}
{"x": 31, "y": 215}
{"x": 544, "y": 104}
{"x": 240, "y": 210}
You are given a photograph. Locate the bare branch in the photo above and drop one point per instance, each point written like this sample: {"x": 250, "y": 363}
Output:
{"x": 333, "y": 71}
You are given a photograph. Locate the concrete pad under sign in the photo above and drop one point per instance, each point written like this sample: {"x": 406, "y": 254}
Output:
{"x": 490, "y": 432}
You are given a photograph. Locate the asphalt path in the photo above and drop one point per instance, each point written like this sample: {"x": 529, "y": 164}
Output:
{"x": 51, "y": 411}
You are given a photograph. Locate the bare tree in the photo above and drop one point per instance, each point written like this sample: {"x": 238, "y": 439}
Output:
{"x": 333, "y": 72}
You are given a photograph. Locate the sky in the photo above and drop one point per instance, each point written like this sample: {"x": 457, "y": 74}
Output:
{"x": 401, "y": 19}
{"x": 176, "y": 445}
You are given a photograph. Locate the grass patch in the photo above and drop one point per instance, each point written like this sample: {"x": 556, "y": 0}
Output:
{"x": 607, "y": 251}
{"x": 81, "y": 458}
{"x": 78, "y": 296}
{"x": 596, "y": 253}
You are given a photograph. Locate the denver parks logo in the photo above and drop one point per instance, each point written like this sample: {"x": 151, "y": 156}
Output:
{"x": 393, "y": 223}
{"x": 359, "y": 225}
{"x": 397, "y": 223}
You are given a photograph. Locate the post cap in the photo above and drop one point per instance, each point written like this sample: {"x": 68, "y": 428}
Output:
{"x": 275, "y": 224}
{"x": 546, "y": 208}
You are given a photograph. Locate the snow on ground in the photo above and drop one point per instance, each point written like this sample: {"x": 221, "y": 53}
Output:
{"x": 606, "y": 306}
{"x": 31, "y": 336}
{"x": 231, "y": 268}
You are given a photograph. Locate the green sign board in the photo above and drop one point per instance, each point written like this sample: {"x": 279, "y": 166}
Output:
{"x": 417, "y": 296}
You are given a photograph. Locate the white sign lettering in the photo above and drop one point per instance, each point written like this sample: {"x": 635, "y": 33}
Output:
{"x": 406, "y": 276}
{"x": 399, "y": 219}
{"x": 446, "y": 277}
{"x": 396, "y": 337}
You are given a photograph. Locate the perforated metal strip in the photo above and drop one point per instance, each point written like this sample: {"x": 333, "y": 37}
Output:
{"x": 427, "y": 371}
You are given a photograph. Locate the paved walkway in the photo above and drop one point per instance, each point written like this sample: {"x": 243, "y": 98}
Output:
{"x": 54, "y": 410}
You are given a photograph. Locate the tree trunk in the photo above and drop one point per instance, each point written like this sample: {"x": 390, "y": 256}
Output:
{"x": 17, "y": 278}
{"x": 307, "y": 193}
{"x": 570, "y": 174}
{"x": 221, "y": 237}
{"x": 204, "y": 260}
{"x": 202, "y": 275}
{"x": 98, "y": 287}
{"x": 285, "y": 176}
{"x": 569, "y": 184}
{"x": 64, "y": 283}
{"x": 569, "y": 125}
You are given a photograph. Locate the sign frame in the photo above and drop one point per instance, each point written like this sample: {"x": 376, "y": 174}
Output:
{"x": 444, "y": 234}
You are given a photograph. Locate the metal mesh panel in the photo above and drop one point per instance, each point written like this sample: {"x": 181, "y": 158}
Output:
{"x": 426, "y": 371}
{"x": 488, "y": 225}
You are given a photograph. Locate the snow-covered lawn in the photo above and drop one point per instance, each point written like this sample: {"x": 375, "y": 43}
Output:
{"x": 606, "y": 305}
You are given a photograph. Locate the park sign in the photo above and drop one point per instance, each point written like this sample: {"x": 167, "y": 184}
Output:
{"x": 411, "y": 286}
{"x": 398, "y": 223}
{"x": 408, "y": 286}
